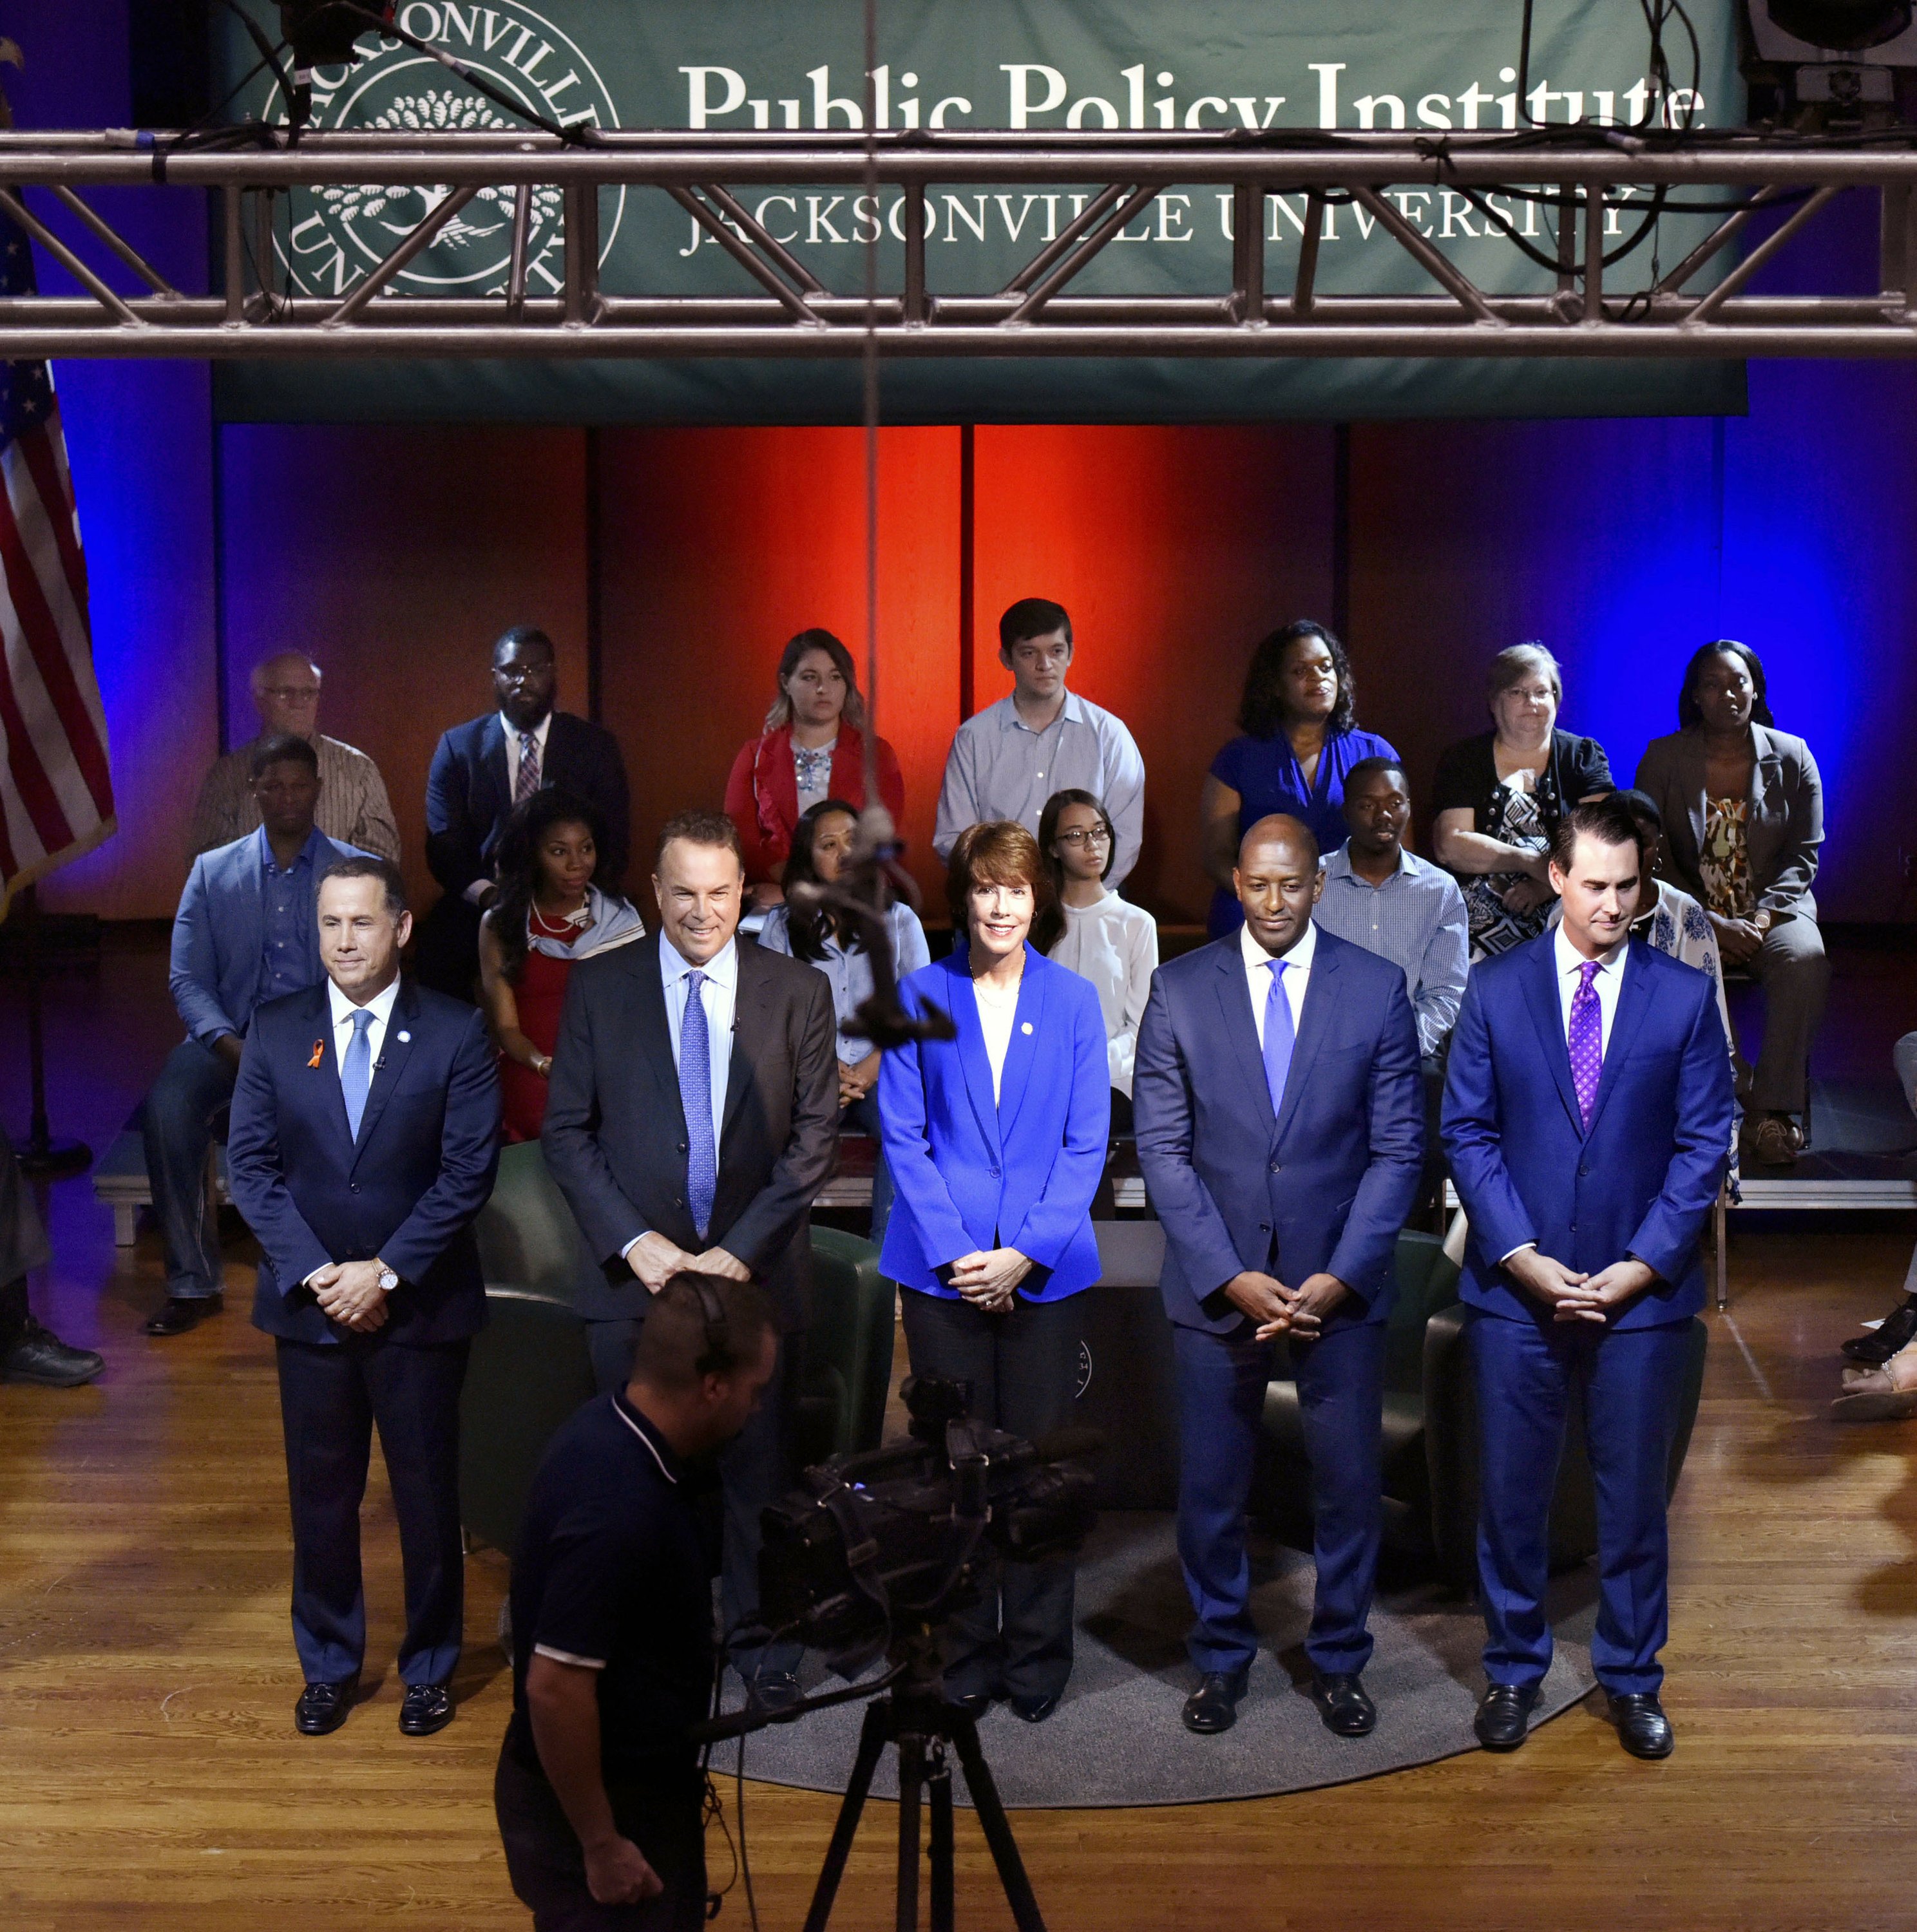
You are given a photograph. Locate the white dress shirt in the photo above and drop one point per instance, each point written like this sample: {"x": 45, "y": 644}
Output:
{"x": 720, "y": 996}
{"x": 1608, "y": 979}
{"x": 1296, "y": 976}
{"x": 342, "y": 1009}
{"x": 1115, "y": 945}
{"x": 998, "y": 1007}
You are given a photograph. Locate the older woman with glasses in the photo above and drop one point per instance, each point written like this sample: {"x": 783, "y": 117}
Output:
{"x": 1090, "y": 931}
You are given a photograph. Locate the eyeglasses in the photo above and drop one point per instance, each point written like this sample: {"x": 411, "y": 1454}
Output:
{"x": 1094, "y": 835}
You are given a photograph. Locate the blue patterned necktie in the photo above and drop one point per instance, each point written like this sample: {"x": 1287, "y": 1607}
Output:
{"x": 1279, "y": 1037}
{"x": 355, "y": 1070}
{"x": 1584, "y": 1040}
{"x": 528, "y": 780}
{"x": 696, "y": 1096}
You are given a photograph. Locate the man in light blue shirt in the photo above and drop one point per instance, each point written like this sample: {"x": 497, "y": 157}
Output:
{"x": 1400, "y": 907}
{"x": 247, "y": 932}
{"x": 1009, "y": 759}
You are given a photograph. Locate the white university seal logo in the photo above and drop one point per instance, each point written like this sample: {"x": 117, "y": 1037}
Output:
{"x": 332, "y": 237}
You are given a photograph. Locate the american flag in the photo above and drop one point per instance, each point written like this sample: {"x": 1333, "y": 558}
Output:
{"x": 56, "y": 793}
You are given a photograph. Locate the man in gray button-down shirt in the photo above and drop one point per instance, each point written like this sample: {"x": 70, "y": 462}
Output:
{"x": 1006, "y": 761}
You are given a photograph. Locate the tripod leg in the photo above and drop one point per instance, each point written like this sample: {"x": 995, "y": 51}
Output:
{"x": 871, "y": 1742}
{"x": 997, "y": 1828}
{"x": 938, "y": 1786}
{"x": 911, "y": 1775}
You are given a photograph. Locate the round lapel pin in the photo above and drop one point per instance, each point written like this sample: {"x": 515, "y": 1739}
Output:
{"x": 406, "y": 1040}
{"x": 1024, "y": 1026}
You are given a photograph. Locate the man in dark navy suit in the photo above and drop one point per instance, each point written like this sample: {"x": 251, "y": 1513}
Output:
{"x": 1587, "y": 1117}
{"x": 365, "y": 1140}
{"x": 1280, "y": 1116}
{"x": 483, "y": 768}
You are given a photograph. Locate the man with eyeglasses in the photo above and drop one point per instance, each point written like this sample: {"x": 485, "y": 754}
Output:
{"x": 354, "y": 809}
{"x": 1008, "y": 760}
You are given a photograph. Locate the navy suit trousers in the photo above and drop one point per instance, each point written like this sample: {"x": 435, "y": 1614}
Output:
{"x": 1631, "y": 1380}
{"x": 330, "y": 1397}
{"x": 1221, "y": 1380}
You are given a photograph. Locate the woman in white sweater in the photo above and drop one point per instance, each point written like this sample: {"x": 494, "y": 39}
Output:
{"x": 1096, "y": 933}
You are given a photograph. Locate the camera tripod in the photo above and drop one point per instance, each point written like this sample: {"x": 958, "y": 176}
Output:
{"x": 915, "y": 1716}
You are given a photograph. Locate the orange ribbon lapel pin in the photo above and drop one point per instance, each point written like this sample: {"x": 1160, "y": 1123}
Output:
{"x": 319, "y": 1053}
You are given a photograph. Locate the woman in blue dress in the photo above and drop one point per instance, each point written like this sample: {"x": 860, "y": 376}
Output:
{"x": 1299, "y": 737}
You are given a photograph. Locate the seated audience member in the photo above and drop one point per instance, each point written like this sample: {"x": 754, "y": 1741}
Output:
{"x": 812, "y": 749}
{"x": 821, "y": 843}
{"x": 354, "y": 809}
{"x": 553, "y": 910}
{"x": 1090, "y": 931}
{"x": 480, "y": 770}
{"x": 1500, "y": 797}
{"x": 1743, "y": 809}
{"x": 997, "y": 1140}
{"x": 1299, "y": 739}
{"x": 1884, "y": 1389}
{"x": 247, "y": 932}
{"x": 1006, "y": 761}
{"x": 599, "y": 1791}
{"x": 29, "y": 1353}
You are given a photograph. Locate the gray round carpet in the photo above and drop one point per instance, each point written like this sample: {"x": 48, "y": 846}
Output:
{"x": 1117, "y": 1739}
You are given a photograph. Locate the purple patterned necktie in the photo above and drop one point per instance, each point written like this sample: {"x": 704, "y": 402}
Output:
{"x": 1586, "y": 1039}
{"x": 528, "y": 779}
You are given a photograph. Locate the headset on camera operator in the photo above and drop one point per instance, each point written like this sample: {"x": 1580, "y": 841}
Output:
{"x": 599, "y": 1790}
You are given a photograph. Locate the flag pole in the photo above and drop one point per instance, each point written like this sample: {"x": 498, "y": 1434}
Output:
{"x": 43, "y": 1157}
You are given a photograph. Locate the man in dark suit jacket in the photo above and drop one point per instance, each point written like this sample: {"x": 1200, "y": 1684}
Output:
{"x": 481, "y": 769}
{"x": 1587, "y": 1117}
{"x": 1280, "y": 1115}
{"x": 365, "y": 1140}
{"x": 693, "y": 1113}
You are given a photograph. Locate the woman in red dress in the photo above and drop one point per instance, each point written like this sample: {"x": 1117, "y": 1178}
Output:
{"x": 549, "y": 914}
{"x": 812, "y": 749}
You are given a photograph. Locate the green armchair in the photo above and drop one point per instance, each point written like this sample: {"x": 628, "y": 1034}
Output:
{"x": 848, "y": 1372}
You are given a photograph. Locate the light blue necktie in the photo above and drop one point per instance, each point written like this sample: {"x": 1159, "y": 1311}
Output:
{"x": 1279, "y": 1037}
{"x": 696, "y": 1096}
{"x": 355, "y": 1070}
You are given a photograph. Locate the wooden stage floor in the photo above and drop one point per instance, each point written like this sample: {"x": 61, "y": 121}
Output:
{"x": 150, "y": 1777}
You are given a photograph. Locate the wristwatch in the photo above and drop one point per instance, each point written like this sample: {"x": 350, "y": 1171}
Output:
{"x": 388, "y": 1281}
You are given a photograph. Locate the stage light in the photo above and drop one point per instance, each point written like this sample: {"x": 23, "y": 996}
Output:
{"x": 1838, "y": 66}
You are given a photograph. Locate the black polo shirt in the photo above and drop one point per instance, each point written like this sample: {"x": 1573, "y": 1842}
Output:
{"x": 612, "y": 1573}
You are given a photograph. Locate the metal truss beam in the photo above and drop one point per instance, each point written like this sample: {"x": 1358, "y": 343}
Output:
{"x": 782, "y": 309}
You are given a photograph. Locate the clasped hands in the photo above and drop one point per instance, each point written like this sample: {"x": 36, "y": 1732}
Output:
{"x": 350, "y": 1293}
{"x": 656, "y": 1260}
{"x": 1573, "y": 1297}
{"x": 1279, "y": 1310}
{"x": 987, "y": 1277}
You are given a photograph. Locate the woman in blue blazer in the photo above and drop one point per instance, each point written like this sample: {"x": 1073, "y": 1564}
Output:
{"x": 997, "y": 1141}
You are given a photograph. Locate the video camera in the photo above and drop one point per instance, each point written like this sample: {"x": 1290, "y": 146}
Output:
{"x": 874, "y": 1543}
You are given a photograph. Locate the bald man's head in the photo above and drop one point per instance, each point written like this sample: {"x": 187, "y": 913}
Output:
{"x": 285, "y": 693}
{"x": 1278, "y": 880}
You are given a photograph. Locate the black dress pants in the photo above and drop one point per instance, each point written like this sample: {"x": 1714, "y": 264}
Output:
{"x": 331, "y": 1395}
{"x": 1015, "y": 1640}
{"x": 665, "y": 1819}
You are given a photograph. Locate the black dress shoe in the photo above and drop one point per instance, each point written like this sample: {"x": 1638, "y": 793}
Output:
{"x": 1884, "y": 1341}
{"x": 974, "y": 1703}
{"x": 184, "y": 1311}
{"x": 1035, "y": 1710}
{"x": 425, "y": 1709}
{"x": 323, "y": 1707}
{"x": 39, "y": 1356}
{"x": 1342, "y": 1703}
{"x": 1213, "y": 1706}
{"x": 1503, "y": 1716}
{"x": 775, "y": 1690}
{"x": 1643, "y": 1730}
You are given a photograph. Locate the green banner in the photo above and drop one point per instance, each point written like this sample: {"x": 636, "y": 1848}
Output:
{"x": 989, "y": 65}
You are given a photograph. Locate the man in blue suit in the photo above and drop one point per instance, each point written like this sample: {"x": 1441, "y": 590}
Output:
{"x": 1280, "y": 1116}
{"x": 247, "y": 932}
{"x": 365, "y": 1140}
{"x": 1587, "y": 1113}
{"x": 480, "y": 770}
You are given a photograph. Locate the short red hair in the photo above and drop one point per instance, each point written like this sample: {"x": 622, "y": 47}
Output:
{"x": 999, "y": 852}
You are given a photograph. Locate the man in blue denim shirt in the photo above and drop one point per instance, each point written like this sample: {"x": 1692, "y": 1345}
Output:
{"x": 247, "y": 932}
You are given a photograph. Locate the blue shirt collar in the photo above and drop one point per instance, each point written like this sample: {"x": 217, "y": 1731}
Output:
{"x": 310, "y": 853}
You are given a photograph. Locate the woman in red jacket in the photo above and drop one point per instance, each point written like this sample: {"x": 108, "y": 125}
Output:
{"x": 812, "y": 749}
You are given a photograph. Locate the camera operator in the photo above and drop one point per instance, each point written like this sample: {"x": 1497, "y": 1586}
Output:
{"x": 599, "y": 1790}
